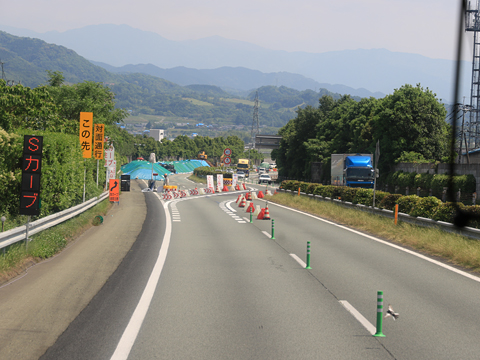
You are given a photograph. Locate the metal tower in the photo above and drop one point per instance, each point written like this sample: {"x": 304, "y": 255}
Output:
{"x": 472, "y": 23}
{"x": 255, "y": 125}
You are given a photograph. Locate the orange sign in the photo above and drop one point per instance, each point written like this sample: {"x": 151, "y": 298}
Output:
{"x": 98, "y": 141}
{"x": 86, "y": 133}
{"x": 114, "y": 190}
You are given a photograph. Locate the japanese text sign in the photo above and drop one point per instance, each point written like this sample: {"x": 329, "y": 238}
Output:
{"x": 114, "y": 190}
{"x": 98, "y": 141}
{"x": 86, "y": 136}
{"x": 109, "y": 156}
{"x": 31, "y": 171}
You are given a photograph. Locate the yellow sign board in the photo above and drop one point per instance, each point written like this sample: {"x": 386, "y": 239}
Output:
{"x": 86, "y": 133}
{"x": 98, "y": 136}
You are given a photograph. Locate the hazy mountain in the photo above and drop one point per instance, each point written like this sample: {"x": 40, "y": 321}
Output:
{"x": 376, "y": 69}
{"x": 238, "y": 78}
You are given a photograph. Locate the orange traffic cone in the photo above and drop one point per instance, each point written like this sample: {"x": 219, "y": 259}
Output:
{"x": 267, "y": 214}
{"x": 225, "y": 188}
{"x": 237, "y": 187}
{"x": 251, "y": 208}
{"x": 239, "y": 197}
{"x": 242, "y": 203}
{"x": 249, "y": 196}
{"x": 260, "y": 195}
{"x": 244, "y": 187}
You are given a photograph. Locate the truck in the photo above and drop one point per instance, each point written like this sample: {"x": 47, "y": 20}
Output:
{"x": 354, "y": 170}
{"x": 244, "y": 165}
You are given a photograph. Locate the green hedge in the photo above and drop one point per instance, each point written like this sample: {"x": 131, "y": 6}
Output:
{"x": 428, "y": 207}
{"x": 389, "y": 201}
{"x": 436, "y": 182}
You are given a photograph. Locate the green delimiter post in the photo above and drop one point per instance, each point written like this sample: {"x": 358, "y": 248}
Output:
{"x": 308, "y": 255}
{"x": 379, "y": 314}
{"x": 273, "y": 229}
{"x": 251, "y": 216}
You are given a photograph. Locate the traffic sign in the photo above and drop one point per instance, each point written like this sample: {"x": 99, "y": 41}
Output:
{"x": 227, "y": 152}
{"x": 227, "y": 161}
{"x": 114, "y": 190}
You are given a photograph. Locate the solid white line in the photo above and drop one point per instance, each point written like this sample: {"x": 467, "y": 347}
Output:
{"x": 242, "y": 222}
{"x": 366, "y": 324}
{"x": 131, "y": 332}
{"x": 267, "y": 234}
{"x": 451, "y": 268}
{"x": 300, "y": 261}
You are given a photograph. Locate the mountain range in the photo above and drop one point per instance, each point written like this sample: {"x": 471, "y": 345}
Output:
{"x": 372, "y": 72}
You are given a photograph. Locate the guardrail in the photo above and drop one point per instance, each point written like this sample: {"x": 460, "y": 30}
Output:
{"x": 465, "y": 231}
{"x": 17, "y": 234}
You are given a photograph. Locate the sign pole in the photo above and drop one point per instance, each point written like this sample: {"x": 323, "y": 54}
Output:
{"x": 84, "y": 177}
{"x": 28, "y": 227}
{"x": 97, "y": 171}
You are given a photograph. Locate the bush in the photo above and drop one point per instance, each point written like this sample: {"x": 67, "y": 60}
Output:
{"x": 407, "y": 203}
{"x": 363, "y": 196}
{"x": 347, "y": 193}
{"x": 446, "y": 211}
{"x": 406, "y": 179}
{"x": 426, "y": 207}
{"x": 389, "y": 201}
{"x": 326, "y": 190}
{"x": 423, "y": 181}
{"x": 474, "y": 212}
{"x": 311, "y": 188}
{"x": 379, "y": 196}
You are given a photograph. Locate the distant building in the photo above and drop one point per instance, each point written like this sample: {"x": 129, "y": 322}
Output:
{"x": 157, "y": 134}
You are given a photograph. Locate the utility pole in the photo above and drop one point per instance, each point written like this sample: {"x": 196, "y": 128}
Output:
{"x": 255, "y": 124}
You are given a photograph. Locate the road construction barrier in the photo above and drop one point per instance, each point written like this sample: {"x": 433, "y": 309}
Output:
{"x": 254, "y": 195}
{"x": 237, "y": 187}
{"x": 260, "y": 195}
{"x": 261, "y": 215}
{"x": 243, "y": 202}
{"x": 250, "y": 208}
{"x": 239, "y": 198}
{"x": 225, "y": 188}
{"x": 257, "y": 210}
{"x": 244, "y": 187}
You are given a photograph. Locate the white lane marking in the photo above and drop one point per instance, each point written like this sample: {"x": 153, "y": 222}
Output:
{"x": 300, "y": 261}
{"x": 366, "y": 324}
{"x": 131, "y": 331}
{"x": 226, "y": 207}
{"x": 445, "y": 266}
{"x": 267, "y": 234}
{"x": 230, "y": 207}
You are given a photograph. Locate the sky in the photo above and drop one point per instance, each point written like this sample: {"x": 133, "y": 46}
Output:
{"x": 426, "y": 27}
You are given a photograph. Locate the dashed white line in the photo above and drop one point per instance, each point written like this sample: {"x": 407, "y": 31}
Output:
{"x": 300, "y": 261}
{"x": 358, "y": 316}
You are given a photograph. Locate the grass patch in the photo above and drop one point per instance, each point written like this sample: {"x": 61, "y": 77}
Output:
{"x": 17, "y": 258}
{"x": 198, "y": 102}
{"x": 456, "y": 249}
{"x": 197, "y": 179}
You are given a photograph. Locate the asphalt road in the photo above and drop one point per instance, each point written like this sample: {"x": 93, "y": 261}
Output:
{"x": 201, "y": 282}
